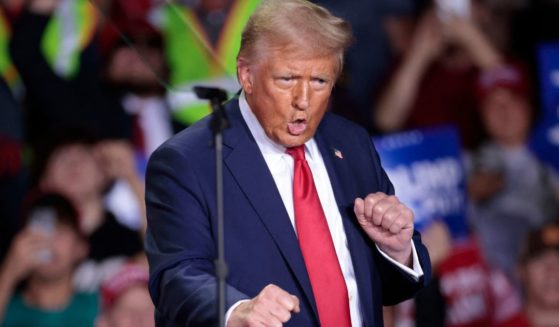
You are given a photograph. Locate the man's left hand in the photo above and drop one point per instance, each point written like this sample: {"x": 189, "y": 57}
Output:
{"x": 389, "y": 223}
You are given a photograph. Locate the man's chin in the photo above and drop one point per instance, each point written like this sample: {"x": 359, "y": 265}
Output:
{"x": 295, "y": 140}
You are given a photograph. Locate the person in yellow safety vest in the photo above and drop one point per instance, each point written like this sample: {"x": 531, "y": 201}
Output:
{"x": 201, "y": 52}
{"x": 69, "y": 31}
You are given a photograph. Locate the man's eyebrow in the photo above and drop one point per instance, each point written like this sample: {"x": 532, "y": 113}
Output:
{"x": 288, "y": 74}
{"x": 326, "y": 77}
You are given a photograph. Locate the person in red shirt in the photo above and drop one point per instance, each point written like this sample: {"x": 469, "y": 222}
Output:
{"x": 434, "y": 82}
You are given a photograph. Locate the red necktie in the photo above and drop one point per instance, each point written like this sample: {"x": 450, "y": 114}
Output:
{"x": 327, "y": 280}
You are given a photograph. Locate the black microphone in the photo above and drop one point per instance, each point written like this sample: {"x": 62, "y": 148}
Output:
{"x": 216, "y": 97}
{"x": 218, "y": 123}
{"x": 210, "y": 93}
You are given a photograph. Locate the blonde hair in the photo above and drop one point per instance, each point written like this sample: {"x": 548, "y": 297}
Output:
{"x": 284, "y": 23}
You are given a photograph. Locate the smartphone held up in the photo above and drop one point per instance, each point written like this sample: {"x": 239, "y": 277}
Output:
{"x": 446, "y": 9}
{"x": 43, "y": 221}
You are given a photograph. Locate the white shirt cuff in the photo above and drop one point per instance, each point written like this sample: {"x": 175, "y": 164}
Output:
{"x": 416, "y": 273}
{"x": 230, "y": 311}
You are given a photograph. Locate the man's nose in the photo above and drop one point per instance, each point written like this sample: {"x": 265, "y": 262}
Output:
{"x": 301, "y": 95}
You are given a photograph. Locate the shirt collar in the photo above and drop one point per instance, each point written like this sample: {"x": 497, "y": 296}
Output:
{"x": 266, "y": 145}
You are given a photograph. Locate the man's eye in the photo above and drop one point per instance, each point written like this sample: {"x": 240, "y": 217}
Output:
{"x": 285, "y": 81}
{"x": 320, "y": 82}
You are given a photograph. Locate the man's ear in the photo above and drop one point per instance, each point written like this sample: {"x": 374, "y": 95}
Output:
{"x": 244, "y": 73}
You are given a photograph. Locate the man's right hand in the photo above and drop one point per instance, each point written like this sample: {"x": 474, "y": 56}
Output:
{"x": 272, "y": 307}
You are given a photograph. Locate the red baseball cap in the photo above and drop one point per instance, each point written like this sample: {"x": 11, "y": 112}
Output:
{"x": 123, "y": 279}
{"x": 508, "y": 76}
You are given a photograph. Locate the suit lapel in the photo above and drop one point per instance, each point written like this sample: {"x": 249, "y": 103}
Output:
{"x": 333, "y": 147}
{"x": 248, "y": 167}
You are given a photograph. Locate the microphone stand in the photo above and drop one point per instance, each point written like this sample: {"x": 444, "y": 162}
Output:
{"x": 218, "y": 124}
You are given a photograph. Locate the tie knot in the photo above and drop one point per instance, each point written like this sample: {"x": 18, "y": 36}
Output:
{"x": 297, "y": 152}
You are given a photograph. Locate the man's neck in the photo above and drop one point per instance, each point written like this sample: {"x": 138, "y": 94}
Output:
{"x": 542, "y": 317}
{"x": 49, "y": 294}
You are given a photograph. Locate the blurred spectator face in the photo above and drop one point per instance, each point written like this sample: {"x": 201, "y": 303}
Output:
{"x": 506, "y": 116}
{"x": 133, "y": 47}
{"x": 66, "y": 248}
{"x": 541, "y": 279}
{"x": 137, "y": 68}
{"x": 73, "y": 171}
{"x": 539, "y": 268}
{"x": 132, "y": 309}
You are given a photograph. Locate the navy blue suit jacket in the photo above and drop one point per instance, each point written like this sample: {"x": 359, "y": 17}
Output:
{"x": 260, "y": 242}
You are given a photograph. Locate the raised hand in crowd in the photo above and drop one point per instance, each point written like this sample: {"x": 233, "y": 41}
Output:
{"x": 117, "y": 160}
{"x": 428, "y": 40}
{"x": 430, "y": 46}
{"x": 23, "y": 256}
{"x": 425, "y": 47}
{"x": 465, "y": 33}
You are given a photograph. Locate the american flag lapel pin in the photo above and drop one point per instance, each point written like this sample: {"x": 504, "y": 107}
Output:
{"x": 338, "y": 153}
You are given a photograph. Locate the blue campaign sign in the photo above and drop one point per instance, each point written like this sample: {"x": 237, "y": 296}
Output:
{"x": 426, "y": 169}
{"x": 544, "y": 140}
{"x": 548, "y": 72}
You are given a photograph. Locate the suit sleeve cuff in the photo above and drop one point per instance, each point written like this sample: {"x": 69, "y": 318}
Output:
{"x": 230, "y": 311}
{"x": 416, "y": 272}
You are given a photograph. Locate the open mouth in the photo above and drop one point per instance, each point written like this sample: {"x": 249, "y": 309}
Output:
{"x": 297, "y": 127}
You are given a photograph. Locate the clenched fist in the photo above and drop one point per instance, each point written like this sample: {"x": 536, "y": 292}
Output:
{"x": 272, "y": 307}
{"x": 389, "y": 223}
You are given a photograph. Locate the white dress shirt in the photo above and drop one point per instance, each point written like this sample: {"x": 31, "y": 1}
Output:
{"x": 281, "y": 165}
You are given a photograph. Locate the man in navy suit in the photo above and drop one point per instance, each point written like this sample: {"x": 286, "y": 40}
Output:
{"x": 281, "y": 143}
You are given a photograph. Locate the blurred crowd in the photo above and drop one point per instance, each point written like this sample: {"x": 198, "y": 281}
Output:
{"x": 90, "y": 88}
